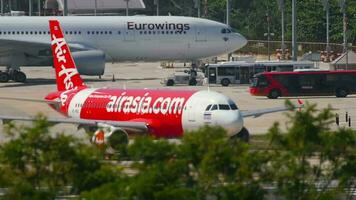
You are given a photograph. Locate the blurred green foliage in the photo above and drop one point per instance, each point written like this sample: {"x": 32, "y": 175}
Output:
{"x": 310, "y": 160}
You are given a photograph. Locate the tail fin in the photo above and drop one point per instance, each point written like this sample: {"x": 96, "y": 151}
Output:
{"x": 67, "y": 75}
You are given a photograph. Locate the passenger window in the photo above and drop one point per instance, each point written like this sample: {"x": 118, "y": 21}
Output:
{"x": 226, "y": 71}
{"x": 224, "y": 107}
{"x": 208, "y": 108}
{"x": 215, "y": 107}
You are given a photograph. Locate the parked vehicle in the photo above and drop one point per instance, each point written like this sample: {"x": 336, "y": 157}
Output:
{"x": 304, "y": 83}
{"x": 241, "y": 72}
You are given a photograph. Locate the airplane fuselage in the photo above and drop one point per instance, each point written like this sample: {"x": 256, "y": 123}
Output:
{"x": 167, "y": 113}
{"x": 123, "y": 38}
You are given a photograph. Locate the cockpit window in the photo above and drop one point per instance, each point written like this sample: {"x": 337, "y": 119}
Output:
{"x": 224, "y": 107}
{"x": 208, "y": 108}
{"x": 215, "y": 107}
{"x": 226, "y": 30}
{"x": 233, "y": 106}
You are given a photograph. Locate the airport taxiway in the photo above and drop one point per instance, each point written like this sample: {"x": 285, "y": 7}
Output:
{"x": 41, "y": 81}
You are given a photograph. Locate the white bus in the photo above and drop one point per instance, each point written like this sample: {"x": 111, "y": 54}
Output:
{"x": 241, "y": 72}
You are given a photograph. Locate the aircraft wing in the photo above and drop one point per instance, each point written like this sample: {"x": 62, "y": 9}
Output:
{"x": 137, "y": 127}
{"x": 259, "y": 112}
{"x": 57, "y": 101}
{"x": 31, "y": 48}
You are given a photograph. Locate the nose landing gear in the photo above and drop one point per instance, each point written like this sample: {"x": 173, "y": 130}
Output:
{"x": 243, "y": 135}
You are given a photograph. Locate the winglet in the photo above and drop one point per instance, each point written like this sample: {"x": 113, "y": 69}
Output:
{"x": 67, "y": 75}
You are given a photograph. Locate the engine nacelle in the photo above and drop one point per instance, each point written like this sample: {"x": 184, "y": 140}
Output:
{"x": 110, "y": 137}
{"x": 91, "y": 63}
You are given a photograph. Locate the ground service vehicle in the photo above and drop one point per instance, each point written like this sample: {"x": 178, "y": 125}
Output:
{"x": 241, "y": 72}
{"x": 184, "y": 78}
{"x": 304, "y": 83}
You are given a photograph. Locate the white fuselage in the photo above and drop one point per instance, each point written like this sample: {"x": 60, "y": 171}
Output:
{"x": 122, "y": 38}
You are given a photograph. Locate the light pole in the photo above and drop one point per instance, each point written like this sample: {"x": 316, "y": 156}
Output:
{"x": 39, "y": 7}
{"x": 343, "y": 10}
{"x": 228, "y": 9}
{"x": 65, "y": 8}
{"x": 294, "y": 30}
{"x": 30, "y": 7}
{"x": 268, "y": 34}
{"x": 2, "y": 7}
{"x": 95, "y": 7}
{"x": 127, "y": 7}
{"x": 156, "y": 2}
{"x": 327, "y": 10}
{"x": 197, "y": 6}
{"x": 10, "y": 5}
{"x": 281, "y": 6}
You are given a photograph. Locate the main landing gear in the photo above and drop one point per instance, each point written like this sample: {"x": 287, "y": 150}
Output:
{"x": 11, "y": 74}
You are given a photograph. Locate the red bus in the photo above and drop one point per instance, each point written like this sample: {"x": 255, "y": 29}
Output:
{"x": 304, "y": 83}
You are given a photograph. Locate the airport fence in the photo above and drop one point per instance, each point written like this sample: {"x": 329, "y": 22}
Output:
{"x": 260, "y": 47}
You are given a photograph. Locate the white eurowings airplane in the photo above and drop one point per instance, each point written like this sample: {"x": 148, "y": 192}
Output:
{"x": 25, "y": 41}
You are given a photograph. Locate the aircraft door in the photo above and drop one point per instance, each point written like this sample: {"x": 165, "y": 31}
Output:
{"x": 129, "y": 35}
{"x": 212, "y": 74}
{"x": 200, "y": 34}
{"x": 244, "y": 75}
{"x": 192, "y": 113}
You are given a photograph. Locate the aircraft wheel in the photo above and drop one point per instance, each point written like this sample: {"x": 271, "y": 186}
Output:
{"x": 170, "y": 82}
{"x": 243, "y": 135}
{"x": 192, "y": 81}
{"x": 274, "y": 94}
{"x": 4, "y": 77}
{"x": 19, "y": 77}
{"x": 341, "y": 92}
{"x": 225, "y": 82}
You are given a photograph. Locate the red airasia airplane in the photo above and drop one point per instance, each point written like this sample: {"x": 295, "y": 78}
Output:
{"x": 113, "y": 113}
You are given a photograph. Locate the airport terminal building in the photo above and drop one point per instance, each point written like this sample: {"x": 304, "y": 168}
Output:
{"x": 75, "y": 7}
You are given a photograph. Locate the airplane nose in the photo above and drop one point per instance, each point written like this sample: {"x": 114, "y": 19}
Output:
{"x": 237, "y": 41}
{"x": 241, "y": 41}
{"x": 234, "y": 122}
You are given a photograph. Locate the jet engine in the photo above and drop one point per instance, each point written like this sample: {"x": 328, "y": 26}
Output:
{"x": 109, "y": 137}
{"x": 91, "y": 63}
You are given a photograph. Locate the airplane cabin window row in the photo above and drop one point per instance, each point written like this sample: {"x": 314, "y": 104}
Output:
{"x": 90, "y": 32}
{"x": 24, "y": 32}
